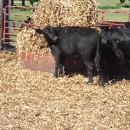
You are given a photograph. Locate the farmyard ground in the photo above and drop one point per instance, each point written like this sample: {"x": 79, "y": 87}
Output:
{"x": 34, "y": 100}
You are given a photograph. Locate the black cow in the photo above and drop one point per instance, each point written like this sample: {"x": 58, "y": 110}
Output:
{"x": 114, "y": 44}
{"x": 73, "y": 42}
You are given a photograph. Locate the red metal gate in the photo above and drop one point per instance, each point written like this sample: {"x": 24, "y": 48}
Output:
{"x": 11, "y": 23}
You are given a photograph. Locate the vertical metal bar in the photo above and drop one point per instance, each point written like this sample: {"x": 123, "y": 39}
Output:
{"x": 4, "y": 29}
{"x": 129, "y": 18}
{"x": 1, "y": 23}
{"x": 102, "y": 16}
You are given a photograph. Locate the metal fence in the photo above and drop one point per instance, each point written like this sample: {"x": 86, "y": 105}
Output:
{"x": 12, "y": 24}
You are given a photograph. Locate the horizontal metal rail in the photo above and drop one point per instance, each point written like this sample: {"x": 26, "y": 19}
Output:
{"x": 10, "y": 34}
{"x": 23, "y": 7}
{"x": 13, "y": 28}
{"x": 17, "y": 15}
{"x": 102, "y": 13}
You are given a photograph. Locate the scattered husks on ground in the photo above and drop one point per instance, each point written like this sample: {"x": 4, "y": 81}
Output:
{"x": 32, "y": 100}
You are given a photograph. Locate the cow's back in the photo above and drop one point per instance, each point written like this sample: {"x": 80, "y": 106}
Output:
{"x": 78, "y": 40}
{"x": 75, "y": 30}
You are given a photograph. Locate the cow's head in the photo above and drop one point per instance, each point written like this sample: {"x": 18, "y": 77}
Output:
{"x": 50, "y": 33}
{"x": 112, "y": 41}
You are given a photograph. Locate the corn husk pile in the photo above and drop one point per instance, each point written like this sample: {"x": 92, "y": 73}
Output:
{"x": 29, "y": 41}
{"x": 63, "y": 13}
{"x": 55, "y": 13}
{"x": 34, "y": 100}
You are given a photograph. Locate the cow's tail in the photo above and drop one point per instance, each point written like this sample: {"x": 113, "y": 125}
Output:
{"x": 98, "y": 57}
{"x": 98, "y": 61}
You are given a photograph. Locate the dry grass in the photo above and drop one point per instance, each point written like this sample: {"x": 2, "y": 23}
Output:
{"x": 34, "y": 100}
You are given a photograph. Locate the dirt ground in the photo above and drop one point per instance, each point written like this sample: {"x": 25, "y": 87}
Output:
{"x": 34, "y": 100}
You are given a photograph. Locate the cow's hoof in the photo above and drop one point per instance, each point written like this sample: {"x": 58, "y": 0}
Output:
{"x": 111, "y": 81}
{"x": 60, "y": 72}
{"x": 101, "y": 84}
{"x": 55, "y": 76}
{"x": 89, "y": 82}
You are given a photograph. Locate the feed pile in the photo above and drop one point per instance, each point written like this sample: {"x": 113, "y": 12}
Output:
{"x": 28, "y": 41}
{"x": 55, "y": 13}
{"x": 34, "y": 100}
{"x": 64, "y": 13}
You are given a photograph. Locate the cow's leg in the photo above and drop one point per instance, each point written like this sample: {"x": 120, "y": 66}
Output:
{"x": 90, "y": 72}
{"x": 57, "y": 65}
{"x": 89, "y": 66}
{"x": 99, "y": 72}
{"x": 62, "y": 60}
{"x": 111, "y": 72}
{"x": 56, "y": 53}
{"x": 98, "y": 69}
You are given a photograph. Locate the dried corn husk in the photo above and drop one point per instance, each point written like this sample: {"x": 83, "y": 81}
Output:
{"x": 63, "y": 13}
{"x": 29, "y": 41}
{"x": 34, "y": 100}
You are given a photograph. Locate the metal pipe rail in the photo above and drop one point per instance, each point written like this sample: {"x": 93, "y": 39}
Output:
{"x": 103, "y": 12}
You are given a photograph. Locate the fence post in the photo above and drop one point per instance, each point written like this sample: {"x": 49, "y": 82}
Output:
{"x": 1, "y": 23}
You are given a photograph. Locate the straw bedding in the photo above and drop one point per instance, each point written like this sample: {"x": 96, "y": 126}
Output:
{"x": 34, "y": 100}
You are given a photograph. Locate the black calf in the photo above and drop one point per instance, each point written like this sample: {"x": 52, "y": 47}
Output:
{"x": 73, "y": 42}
